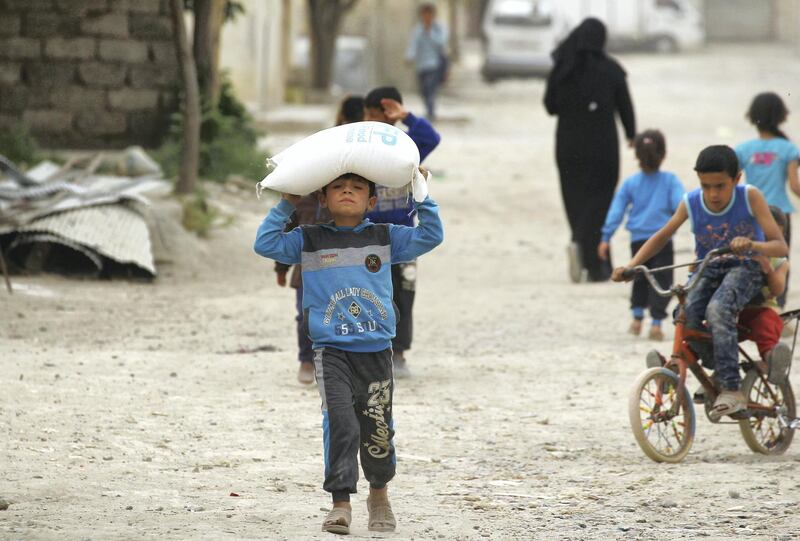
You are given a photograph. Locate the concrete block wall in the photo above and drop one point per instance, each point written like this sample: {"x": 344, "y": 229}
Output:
{"x": 88, "y": 73}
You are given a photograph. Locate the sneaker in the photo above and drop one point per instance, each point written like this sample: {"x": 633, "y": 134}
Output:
{"x": 636, "y": 327}
{"x": 656, "y": 334}
{"x": 401, "y": 370}
{"x": 575, "y": 262}
{"x": 654, "y": 359}
{"x": 727, "y": 403}
{"x": 305, "y": 374}
{"x": 780, "y": 362}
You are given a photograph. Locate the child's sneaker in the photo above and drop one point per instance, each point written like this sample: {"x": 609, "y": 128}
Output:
{"x": 305, "y": 374}
{"x": 728, "y": 403}
{"x": 656, "y": 334}
{"x": 780, "y": 362}
{"x": 636, "y": 327}
{"x": 654, "y": 359}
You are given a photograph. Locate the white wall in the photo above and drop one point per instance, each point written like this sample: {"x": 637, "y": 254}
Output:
{"x": 252, "y": 52}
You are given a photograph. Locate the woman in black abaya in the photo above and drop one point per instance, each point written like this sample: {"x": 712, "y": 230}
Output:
{"x": 585, "y": 88}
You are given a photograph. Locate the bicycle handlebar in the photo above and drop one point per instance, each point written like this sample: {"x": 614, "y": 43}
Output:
{"x": 627, "y": 274}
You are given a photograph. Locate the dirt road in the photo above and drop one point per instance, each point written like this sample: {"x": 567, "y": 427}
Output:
{"x": 128, "y": 412}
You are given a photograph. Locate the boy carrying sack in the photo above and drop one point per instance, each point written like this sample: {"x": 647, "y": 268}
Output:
{"x": 722, "y": 213}
{"x": 347, "y": 299}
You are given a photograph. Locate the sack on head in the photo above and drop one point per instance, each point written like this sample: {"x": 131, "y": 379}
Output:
{"x": 376, "y": 151}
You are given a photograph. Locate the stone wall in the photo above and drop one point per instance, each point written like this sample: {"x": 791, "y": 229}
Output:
{"x": 88, "y": 73}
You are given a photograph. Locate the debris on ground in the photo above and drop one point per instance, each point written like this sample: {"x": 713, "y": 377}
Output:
{"x": 74, "y": 220}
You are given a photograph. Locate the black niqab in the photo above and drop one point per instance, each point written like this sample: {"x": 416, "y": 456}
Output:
{"x": 582, "y": 47}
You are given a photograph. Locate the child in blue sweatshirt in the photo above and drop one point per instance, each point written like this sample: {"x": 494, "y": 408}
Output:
{"x": 385, "y": 104}
{"x": 652, "y": 196}
{"x": 347, "y": 300}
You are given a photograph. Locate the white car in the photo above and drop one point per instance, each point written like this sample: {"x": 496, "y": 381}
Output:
{"x": 519, "y": 35}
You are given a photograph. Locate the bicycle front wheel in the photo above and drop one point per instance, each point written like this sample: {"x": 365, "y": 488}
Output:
{"x": 766, "y": 434}
{"x": 662, "y": 420}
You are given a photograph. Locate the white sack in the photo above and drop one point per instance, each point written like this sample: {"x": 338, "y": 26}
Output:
{"x": 376, "y": 151}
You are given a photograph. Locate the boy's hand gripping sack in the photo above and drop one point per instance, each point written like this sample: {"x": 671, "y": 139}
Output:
{"x": 374, "y": 150}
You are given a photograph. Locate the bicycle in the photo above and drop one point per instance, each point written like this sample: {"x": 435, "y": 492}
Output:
{"x": 661, "y": 409}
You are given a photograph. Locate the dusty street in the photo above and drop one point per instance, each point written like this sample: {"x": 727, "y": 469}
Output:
{"x": 127, "y": 410}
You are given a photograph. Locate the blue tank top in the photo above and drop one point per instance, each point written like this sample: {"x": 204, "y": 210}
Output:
{"x": 716, "y": 229}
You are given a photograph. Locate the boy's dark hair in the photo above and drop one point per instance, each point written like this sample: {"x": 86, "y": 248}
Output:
{"x": 780, "y": 219}
{"x": 767, "y": 111}
{"x": 650, "y": 150}
{"x": 351, "y": 110}
{"x": 372, "y": 188}
{"x": 427, "y": 7}
{"x": 373, "y": 99}
{"x": 717, "y": 159}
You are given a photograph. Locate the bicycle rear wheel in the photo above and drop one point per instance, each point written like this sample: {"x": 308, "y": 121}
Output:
{"x": 762, "y": 433}
{"x": 662, "y": 420}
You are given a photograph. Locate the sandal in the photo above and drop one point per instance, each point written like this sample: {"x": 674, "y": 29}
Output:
{"x": 381, "y": 517}
{"x": 780, "y": 361}
{"x": 337, "y": 521}
{"x": 728, "y": 403}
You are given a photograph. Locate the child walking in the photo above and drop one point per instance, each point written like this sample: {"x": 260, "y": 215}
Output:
{"x": 770, "y": 161}
{"x": 307, "y": 212}
{"x": 385, "y": 104}
{"x": 347, "y": 300}
{"x": 649, "y": 198}
{"x": 721, "y": 213}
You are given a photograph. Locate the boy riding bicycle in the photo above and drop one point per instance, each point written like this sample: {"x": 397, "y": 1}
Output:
{"x": 722, "y": 213}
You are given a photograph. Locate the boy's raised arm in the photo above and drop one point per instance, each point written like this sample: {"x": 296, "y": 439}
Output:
{"x": 422, "y": 133}
{"x": 655, "y": 243}
{"x": 272, "y": 242}
{"x": 775, "y": 245}
{"x": 408, "y": 243}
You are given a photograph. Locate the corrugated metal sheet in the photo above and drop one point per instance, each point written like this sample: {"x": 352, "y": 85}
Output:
{"x": 114, "y": 231}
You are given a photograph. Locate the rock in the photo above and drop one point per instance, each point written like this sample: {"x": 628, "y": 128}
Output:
{"x": 734, "y": 494}
{"x": 3, "y": 504}
{"x": 136, "y": 162}
{"x": 668, "y": 504}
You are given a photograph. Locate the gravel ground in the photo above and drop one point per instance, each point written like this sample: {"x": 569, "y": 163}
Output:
{"x": 170, "y": 410}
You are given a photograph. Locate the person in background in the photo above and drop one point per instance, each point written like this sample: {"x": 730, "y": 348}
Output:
{"x": 585, "y": 89}
{"x": 309, "y": 212}
{"x": 650, "y": 198}
{"x": 385, "y": 104}
{"x": 426, "y": 50}
{"x": 770, "y": 160}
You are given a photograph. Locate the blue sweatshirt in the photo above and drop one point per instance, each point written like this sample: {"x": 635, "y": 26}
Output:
{"x": 347, "y": 280}
{"x": 652, "y": 198}
{"x": 394, "y": 204}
